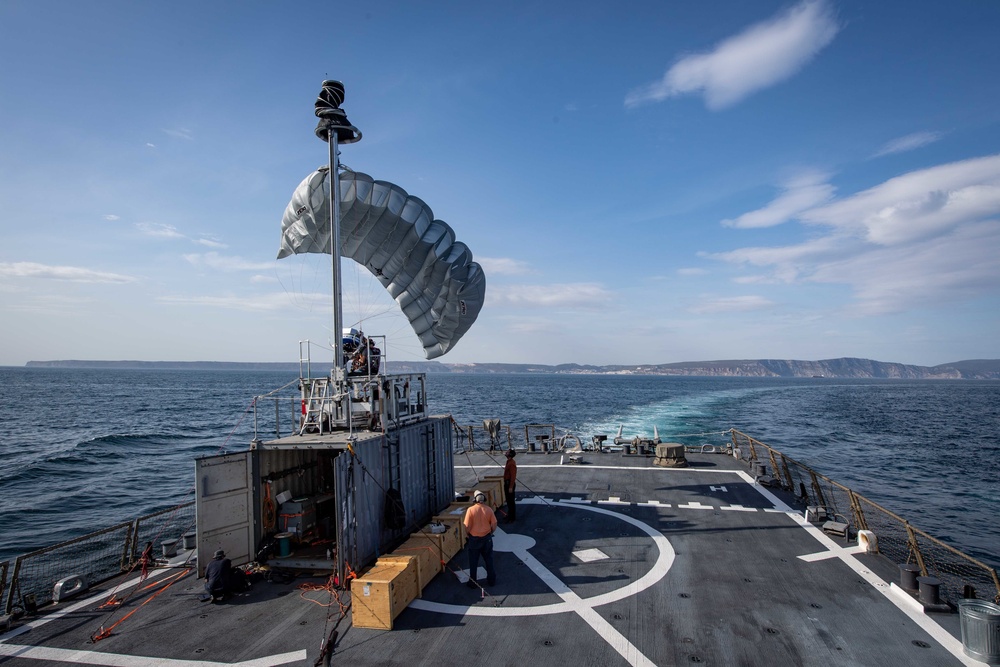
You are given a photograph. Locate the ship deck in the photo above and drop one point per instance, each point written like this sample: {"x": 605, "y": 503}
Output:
{"x": 611, "y": 561}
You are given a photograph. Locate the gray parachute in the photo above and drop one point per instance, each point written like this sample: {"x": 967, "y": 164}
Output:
{"x": 395, "y": 236}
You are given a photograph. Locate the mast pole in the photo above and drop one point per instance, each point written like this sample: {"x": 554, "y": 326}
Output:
{"x": 338, "y": 305}
{"x": 335, "y": 129}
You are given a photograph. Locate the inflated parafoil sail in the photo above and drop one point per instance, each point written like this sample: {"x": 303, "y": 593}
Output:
{"x": 395, "y": 236}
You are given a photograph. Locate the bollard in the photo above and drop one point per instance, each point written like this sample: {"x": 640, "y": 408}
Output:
{"x": 929, "y": 590}
{"x": 169, "y": 548}
{"x": 908, "y": 577}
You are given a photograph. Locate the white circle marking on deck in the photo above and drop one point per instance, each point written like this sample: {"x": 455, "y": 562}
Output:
{"x": 518, "y": 545}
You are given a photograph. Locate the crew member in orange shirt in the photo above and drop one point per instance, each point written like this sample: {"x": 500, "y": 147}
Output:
{"x": 480, "y": 522}
{"x": 509, "y": 482}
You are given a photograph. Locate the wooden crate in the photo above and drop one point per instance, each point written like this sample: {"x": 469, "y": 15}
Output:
{"x": 382, "y": 593}
{"x": 454, "y": 522}
{"x": 456, "y": 509}
{"x": 444, "y": 545}
{"x": 497, "y": 482}
{"x": 424, "y": 567}
{"x": 489, "y": 489}
{"x": 428, "y": 560}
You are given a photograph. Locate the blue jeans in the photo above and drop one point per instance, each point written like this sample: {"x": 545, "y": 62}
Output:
{"x": 481, "y": 546}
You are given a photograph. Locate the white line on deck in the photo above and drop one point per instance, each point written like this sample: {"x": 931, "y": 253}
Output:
{"x": 50, "y": 654}
{"x": 926, "y": 623}
{"x": 571, "y": 602}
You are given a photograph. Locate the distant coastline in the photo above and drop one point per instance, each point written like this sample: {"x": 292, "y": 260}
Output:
{"x": 847, "y": 367}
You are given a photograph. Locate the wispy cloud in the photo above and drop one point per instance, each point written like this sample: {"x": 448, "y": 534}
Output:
{"x": 179, "y": 133}
{"x": 576, "y": 295}
{"x": 761, "y": 56}
{"x": 214, "y": 260}
{"x": 211, "y": 243}
{"x": 111, "y": 217}
{"x": 908, "y": 143}
{"x": 805, "y": 191}
{"x": 504, "y": 266}
{"x": 741, "y": 304}
{"x": 68, "y": 273}
{"x": 918, "y": 204}
{"x": 927, "y": 236}
{"x": 159, "y": 231}
{"x": 261, "y": 303}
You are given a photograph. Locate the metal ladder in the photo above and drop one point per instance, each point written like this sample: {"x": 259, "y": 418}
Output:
{"x": 319, "y": 396}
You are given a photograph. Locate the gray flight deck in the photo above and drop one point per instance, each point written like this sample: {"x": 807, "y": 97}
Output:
{"x": 611, "y": 561}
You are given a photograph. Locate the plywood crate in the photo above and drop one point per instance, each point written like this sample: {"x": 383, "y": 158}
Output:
{"x": 453, "y": 522}
{"x": 379, "y": 596}
{"x": 456, "y": 509}
{"x": 444, "y": 545}
{"x": 427, "y": 556}
{"x": 497, "y": 482}
{"x": 425, "y": 568}
{"x": 488, "y": 489}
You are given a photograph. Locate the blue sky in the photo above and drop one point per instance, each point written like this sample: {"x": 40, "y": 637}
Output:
{"x": 646, "y": 182}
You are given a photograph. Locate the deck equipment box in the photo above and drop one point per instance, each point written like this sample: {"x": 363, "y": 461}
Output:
{"x": 379, "y": 596}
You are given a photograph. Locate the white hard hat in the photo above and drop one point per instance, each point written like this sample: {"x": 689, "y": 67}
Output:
{"x": 480, "y": 497}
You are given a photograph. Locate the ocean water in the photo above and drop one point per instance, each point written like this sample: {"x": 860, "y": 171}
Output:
{"x": 84, "y": 449}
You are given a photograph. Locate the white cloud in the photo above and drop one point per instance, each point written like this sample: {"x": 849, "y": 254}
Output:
{"x": 929, "y": 236}
{"x": 731, "y": 304}
{"x": 111, "y": 218}
{"x": 150, "y": 145}
{"x": 957, "y": 266}
{"x": 800, "y": 193}
{"x": 576, "y": 295}
{"x": 761, "y": 56}
{"x": 259, "y": 279}
{"x": 261, "y": 303}
{"x": 159, "y": 231}
{"x": 918, "y": 204}
{"x": 908, "y": 143}
{"x": 214, "y": 260}
{"x": 210, "y": 243}
{"x": 179, "y": 133}
{"x": 504, "y": 266}
{"x": 68, "y": 273}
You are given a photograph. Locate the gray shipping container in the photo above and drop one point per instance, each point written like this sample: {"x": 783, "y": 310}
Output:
{"x": 358, "y": 470}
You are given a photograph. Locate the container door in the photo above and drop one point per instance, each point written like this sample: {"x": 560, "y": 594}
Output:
{"x": 224, "y": 507}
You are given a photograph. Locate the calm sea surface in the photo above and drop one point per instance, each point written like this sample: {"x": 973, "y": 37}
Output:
{"x": 83, "y": 449}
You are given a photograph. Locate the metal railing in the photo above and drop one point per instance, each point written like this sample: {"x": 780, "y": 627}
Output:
{"x": 896, "y": 538}
{"x": 95, "y": 557}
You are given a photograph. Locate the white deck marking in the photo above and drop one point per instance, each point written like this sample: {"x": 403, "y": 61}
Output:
{"x": 719, "y": 488}
{"x": 738, "y": 508}
{"x": 571, "y": 602}
{"x": 576, "y": 499}
{"x": 50, "y": 654}
{"x": 613, "y": 500}
{"x": 925, "y": 622}
{"x": 653, "y": 503}
{"x": 671, "y": 471}
{"x": 834, "y": 552}
{"x": 695, "y": 505}
{"x": 590, "y": 555}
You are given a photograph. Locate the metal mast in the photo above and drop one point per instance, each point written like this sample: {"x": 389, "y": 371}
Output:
{"x": 335, "y": 129}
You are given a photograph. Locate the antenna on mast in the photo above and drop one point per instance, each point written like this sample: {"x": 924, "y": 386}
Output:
{"x": 334, "y": 128}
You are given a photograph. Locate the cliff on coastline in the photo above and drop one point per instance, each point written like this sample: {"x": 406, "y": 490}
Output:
{"x": 972, "y": 369}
